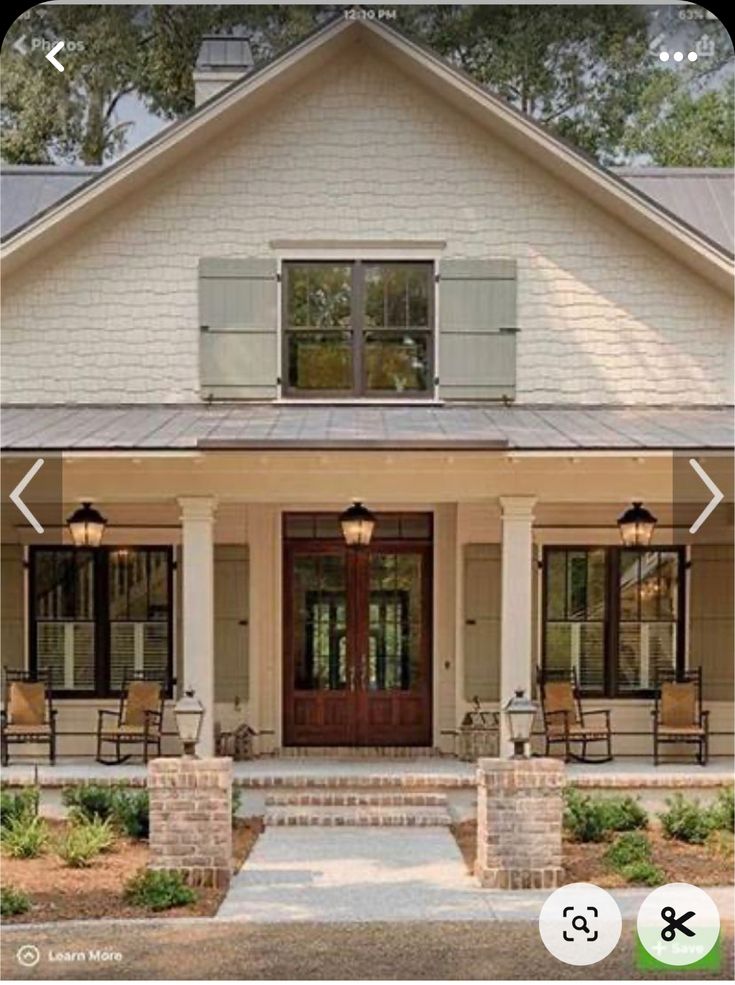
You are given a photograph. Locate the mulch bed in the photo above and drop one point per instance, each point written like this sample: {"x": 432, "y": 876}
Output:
{"x": 58, "y": 892}
{"x": 583, "y": 862}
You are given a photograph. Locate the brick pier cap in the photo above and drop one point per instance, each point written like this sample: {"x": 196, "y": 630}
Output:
{"x": 519, "y": 823}
{"x": 191, "y": 818}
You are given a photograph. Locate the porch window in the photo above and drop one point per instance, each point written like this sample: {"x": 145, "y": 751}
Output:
{"x": 358, "y": 329}
{"x": 97, "y": 616}
{"x": 614, "y": 615}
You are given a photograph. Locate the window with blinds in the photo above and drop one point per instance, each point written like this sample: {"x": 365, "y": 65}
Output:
{"x": 615, "y": 616}
{"x": 99, "y": 616}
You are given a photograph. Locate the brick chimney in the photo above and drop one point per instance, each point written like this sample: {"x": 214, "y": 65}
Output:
{"x": 222, "y": 60}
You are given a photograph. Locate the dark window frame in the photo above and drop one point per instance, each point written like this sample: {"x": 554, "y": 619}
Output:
{"x": 358, "y": 332}
{"x": 612, "y": 620}
{"x": 101, "y": 620}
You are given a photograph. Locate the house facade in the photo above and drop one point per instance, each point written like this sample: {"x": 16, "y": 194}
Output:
{"x": 354, "y": 275}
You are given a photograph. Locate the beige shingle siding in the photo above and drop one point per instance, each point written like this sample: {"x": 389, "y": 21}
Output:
{"x": 362, "y": 153}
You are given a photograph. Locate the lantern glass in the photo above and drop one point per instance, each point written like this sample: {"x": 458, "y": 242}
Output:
{"x": 636, "y": 526}
{"x": 357, "y": 524}
{"x": 86, "y": 526}
{"x": 520, "y": 713}
{"x": 189, "y": 713}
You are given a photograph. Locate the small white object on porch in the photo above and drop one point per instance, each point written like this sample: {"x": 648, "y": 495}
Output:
{"x": 197, "y": 525}
{"x": 516, "y": 618}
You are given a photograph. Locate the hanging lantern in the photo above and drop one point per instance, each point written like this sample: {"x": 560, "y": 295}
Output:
{"x": 86, "y": 526}
{"x": 636, "y": 526}
{"x": 357, "y": 524}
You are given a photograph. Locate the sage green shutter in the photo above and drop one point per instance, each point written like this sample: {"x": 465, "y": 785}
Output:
{"x": 477, "y": 329}
{"x": 12, "y": 622}
{"x": 710, "y": 619}
{"x": 482, "y": 621}
{"x": 231, "y": 635}
{"x": 238, "y": 327}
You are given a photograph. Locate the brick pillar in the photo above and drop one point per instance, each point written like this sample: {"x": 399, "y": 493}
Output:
{"x": 190, "y": 818}
{"x": 519, "y": 823}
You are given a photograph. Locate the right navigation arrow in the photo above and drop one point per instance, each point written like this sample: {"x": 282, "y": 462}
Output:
{"x": 717, "y": 495}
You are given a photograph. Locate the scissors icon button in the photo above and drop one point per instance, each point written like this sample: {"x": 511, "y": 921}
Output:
{"x": 674, "y": 923}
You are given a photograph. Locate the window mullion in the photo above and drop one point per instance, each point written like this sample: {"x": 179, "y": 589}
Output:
{"x": 357, "y": 323}
{"x": 102, "y": 621}
{"x": 612, "y": 634}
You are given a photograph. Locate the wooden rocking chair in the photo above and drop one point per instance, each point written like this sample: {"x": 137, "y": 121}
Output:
{"x": 566, "y": 722}
{"x": 29, "y": 715}
{"x": 678, "y": 715}
{"x": 138, "y": 720}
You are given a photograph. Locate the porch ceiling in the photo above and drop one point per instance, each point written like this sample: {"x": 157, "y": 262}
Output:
{"x": 182, "y": 427}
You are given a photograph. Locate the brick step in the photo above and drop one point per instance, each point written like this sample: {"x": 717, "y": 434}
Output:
{"x": 358, "y": 752}
{"x": 355, "y": 798}
{"x": 359, "y": 816}
{"x": 388, "y": 779}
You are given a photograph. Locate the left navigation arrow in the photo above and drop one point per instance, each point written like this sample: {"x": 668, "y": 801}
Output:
{"x": 15, "y": 495}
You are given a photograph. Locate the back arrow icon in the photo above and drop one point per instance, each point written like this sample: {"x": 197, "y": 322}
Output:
{"x": 717, "y": 496}
{"x": 54, "y": 51}
{"x": 15, "y": 496}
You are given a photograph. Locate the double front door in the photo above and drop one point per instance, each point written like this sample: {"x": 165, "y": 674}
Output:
{"x": 357, "y": 628}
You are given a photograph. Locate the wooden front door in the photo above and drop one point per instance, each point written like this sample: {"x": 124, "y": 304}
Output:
{"x": 357, "y": 643}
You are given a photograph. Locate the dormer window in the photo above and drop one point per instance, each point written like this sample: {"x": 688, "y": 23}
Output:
{"x": 358, "y": 329}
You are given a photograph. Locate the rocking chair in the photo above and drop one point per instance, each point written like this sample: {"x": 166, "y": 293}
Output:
{"x": 29, "y": 715}
{"x": 568, "y": 724}
{"x": 678, "y": 715}
{"x": 138, "y": 720}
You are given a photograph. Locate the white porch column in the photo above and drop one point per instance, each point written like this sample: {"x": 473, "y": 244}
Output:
{"x": 197, "y": 527}
{"x": 516, "y": 613}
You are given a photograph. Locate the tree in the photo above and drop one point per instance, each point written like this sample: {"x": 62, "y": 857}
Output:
{"x": 586, "y": 73}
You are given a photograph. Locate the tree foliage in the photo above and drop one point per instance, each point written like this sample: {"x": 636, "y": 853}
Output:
{"x": 586, "y": 72}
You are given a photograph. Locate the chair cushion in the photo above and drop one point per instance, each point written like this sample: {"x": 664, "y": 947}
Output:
{"x": 27, "y": 703}
{"x": 28, "y": 729}
{"x": 679, "y": 703}
{"x": 143, "y": 696}
{"x": 559, "y": 696}
{"x": 680, "y": 730}
{"x": 127, "y": 731}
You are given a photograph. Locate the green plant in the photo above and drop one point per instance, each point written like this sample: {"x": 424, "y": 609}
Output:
{"x": 687, "y": 820}
{"x": 628, "y": 849}
{"x": 89, "y": 801}
{"x": 723, "y": 810}
{"x": 643, "y": 873}
{"x": 85, "y": 840}
{"x": 583, "y": 818}
{"x": 22, "y": 803}
{"x": 131, "y": 812}
{"x": 13, "y": 901}
{"x": 159, "y": 889}
{"x": 592, "y": 819}
{"x": 236, "y": 800}
{"x": 26, "y": 836}
{"x": 623, "y": 814}
{"x": 722, "y": 843}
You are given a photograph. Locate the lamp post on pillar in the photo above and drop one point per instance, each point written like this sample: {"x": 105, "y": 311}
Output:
{"x": 197, "y": 529}
{"x": 516, "y": 615}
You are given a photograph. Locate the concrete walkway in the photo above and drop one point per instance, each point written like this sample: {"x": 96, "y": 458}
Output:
{"x": 352, "y": 875}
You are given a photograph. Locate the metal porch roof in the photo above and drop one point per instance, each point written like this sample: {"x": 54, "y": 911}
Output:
{"x": 163, "y": 427}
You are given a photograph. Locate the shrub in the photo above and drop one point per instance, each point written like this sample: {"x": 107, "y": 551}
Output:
{"x": 89, "y": 801}
{"x": 723, "y": 810}
{"x": 624, "y": 814}
{"x": 13, "y": 902}
{"x": 592, "y": 819}
{"x": 583, "y": 818}
{"x": 236, "y": 800}
{"x": 131, "y": 812}
{"x": 687, "y": 820}
{"x": 628, "y": 849}
{"x": 84, "y": 841}
{"x": 158, "y": 889}
{"x": 26, "y": 836}
{"x": 643, "y": 874}
{"x": 722, "y": 843}
{"x": 13, "y": 805}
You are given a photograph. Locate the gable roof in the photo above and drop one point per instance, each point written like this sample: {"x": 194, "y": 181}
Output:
{"x": 246, "y": 96}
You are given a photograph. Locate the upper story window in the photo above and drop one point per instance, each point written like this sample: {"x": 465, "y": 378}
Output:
{"x": 359, "y": 329}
